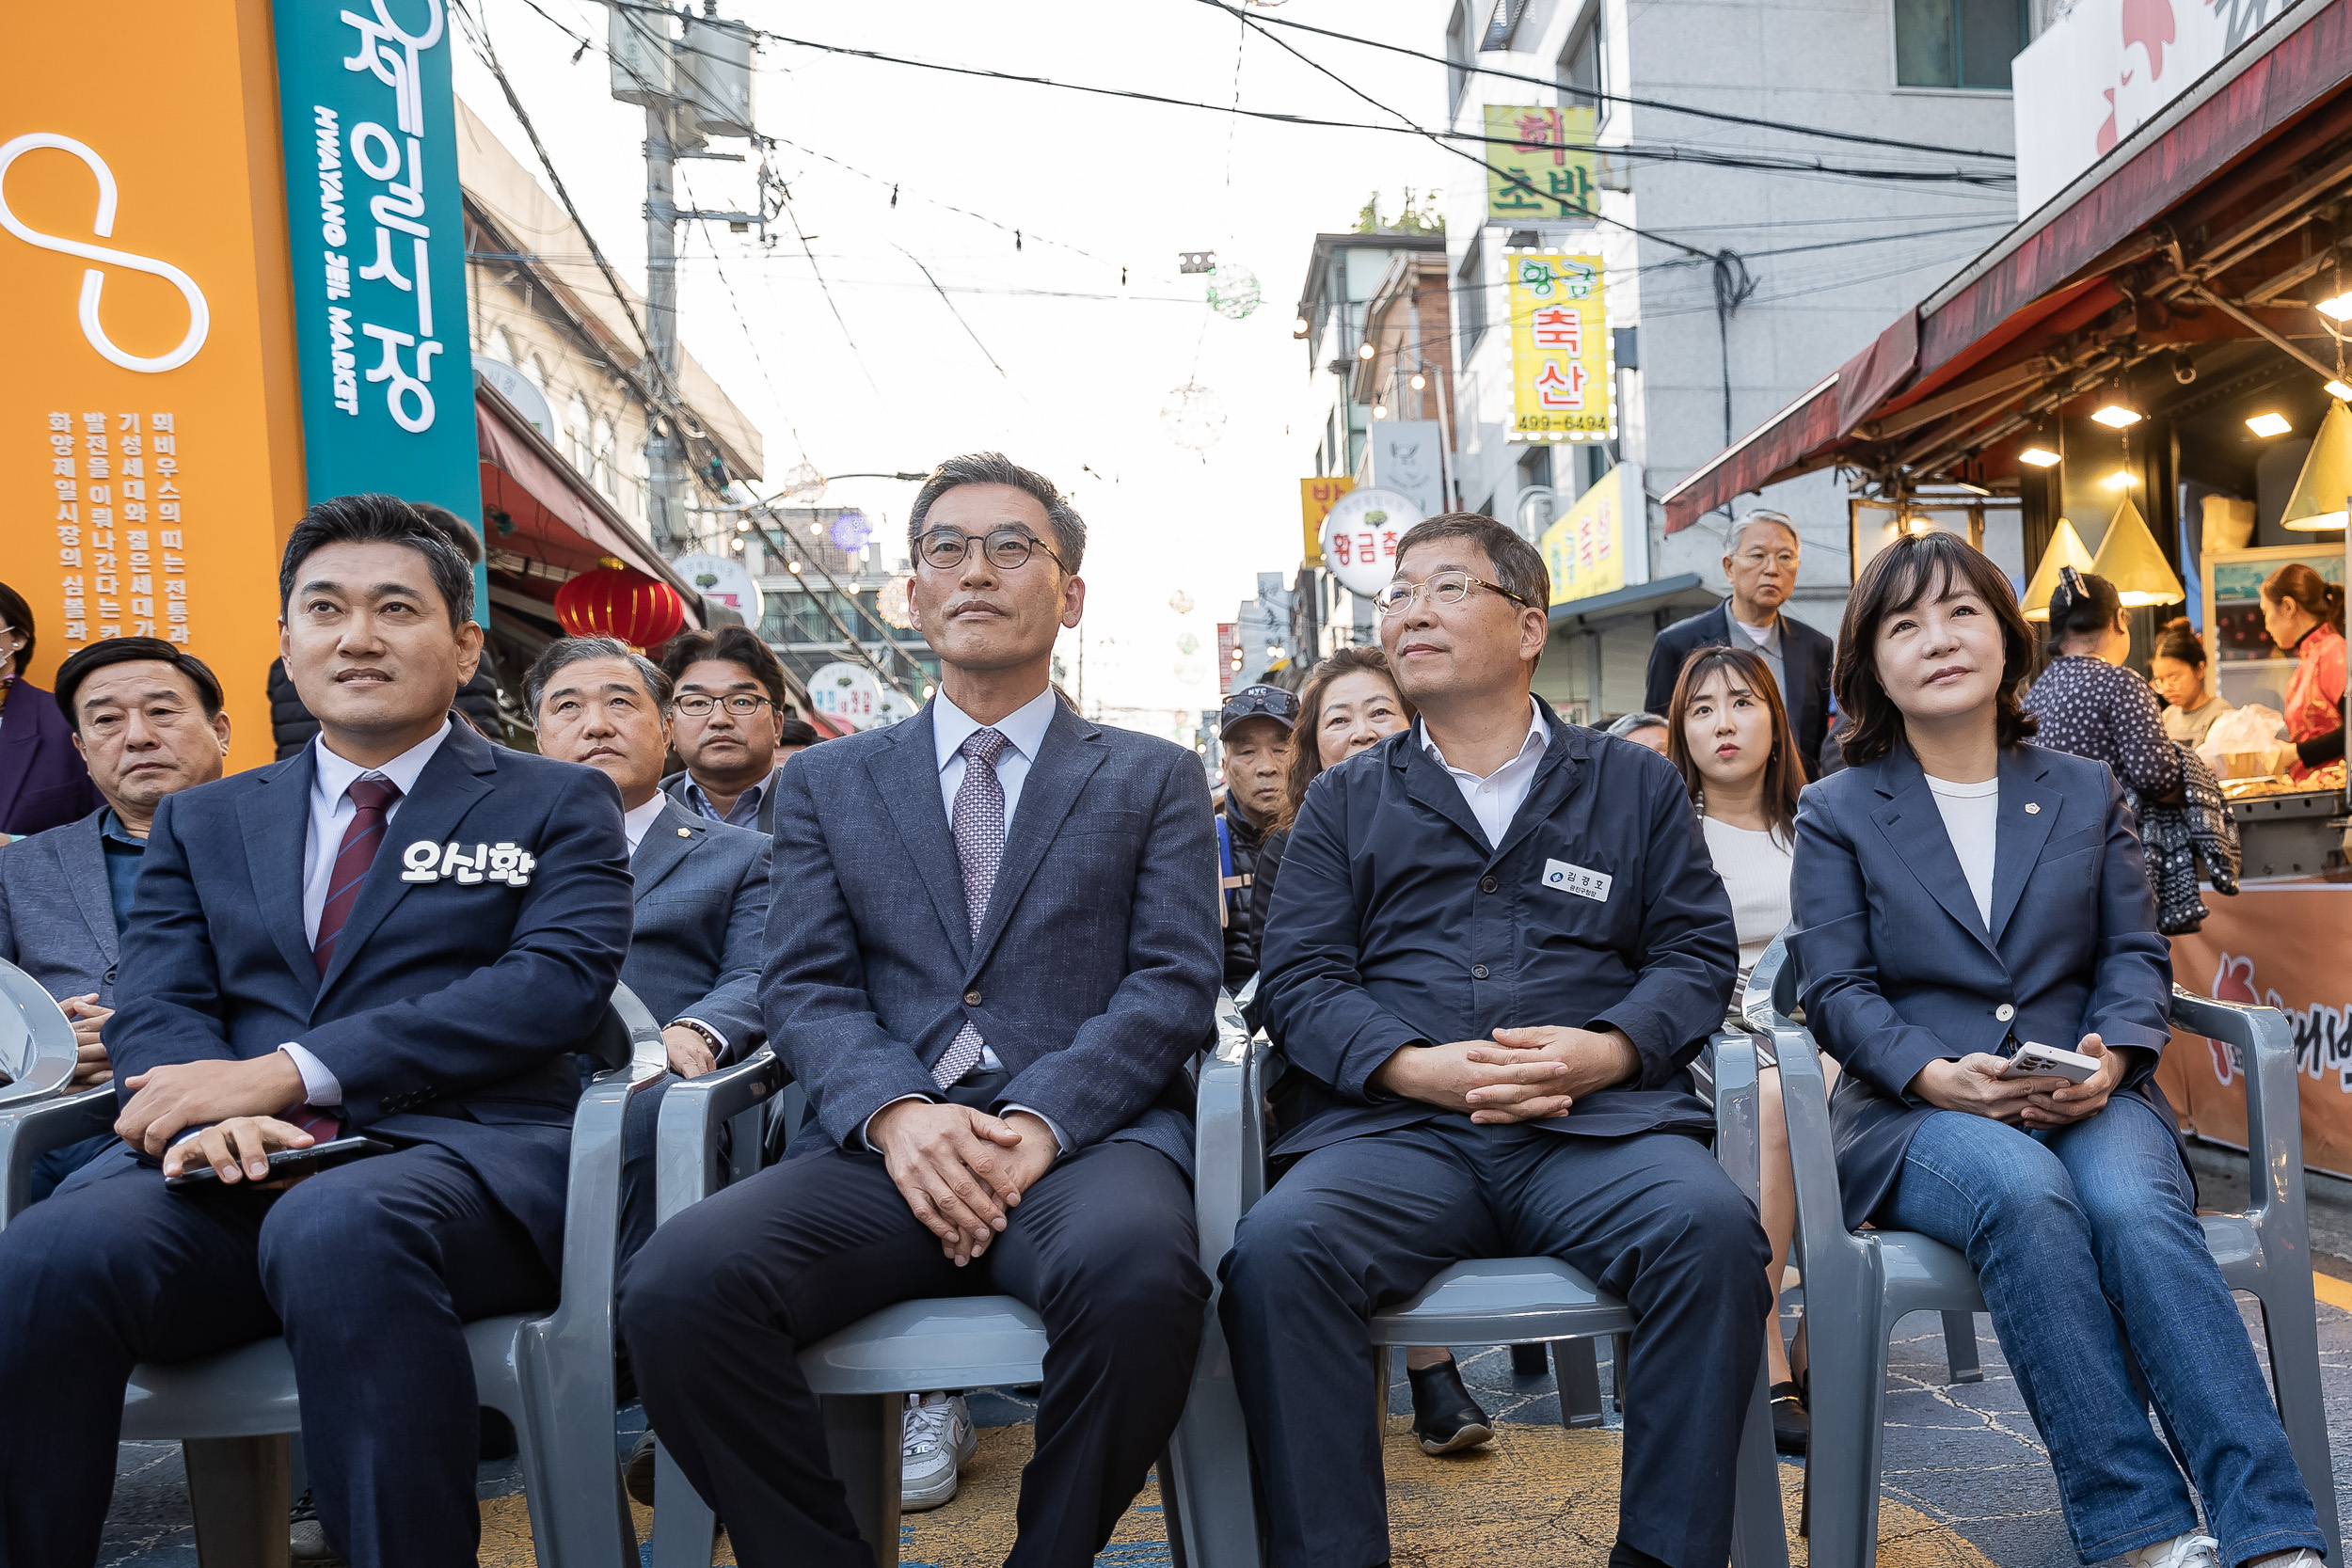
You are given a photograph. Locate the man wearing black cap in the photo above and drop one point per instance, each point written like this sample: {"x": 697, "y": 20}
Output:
{"x": 1255, "y": 731}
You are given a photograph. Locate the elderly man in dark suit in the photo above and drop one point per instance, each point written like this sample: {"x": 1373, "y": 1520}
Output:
{"x": 999, "y": 951}
{"x": 1497, "y": 943}
{"x": 147, "y": 718}
{"x": 402, "y": 930}
{"x": 1762, "y": 564}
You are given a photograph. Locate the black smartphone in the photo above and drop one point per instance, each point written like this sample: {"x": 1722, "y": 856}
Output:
{"x": 291, "y": 1161}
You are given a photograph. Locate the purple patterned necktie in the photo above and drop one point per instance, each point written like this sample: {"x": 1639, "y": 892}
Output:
{"x": 979, "y": 825}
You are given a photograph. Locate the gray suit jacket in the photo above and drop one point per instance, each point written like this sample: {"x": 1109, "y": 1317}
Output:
{"x": 1095, "y": 971}
{"x": 702, "y": 904}
{"x": 57, "y": 920}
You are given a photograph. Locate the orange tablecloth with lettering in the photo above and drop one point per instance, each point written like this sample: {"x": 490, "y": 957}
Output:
{"x": 2287, "y": 945}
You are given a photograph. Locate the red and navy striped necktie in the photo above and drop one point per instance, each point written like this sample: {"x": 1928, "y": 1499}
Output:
{"x": 361, "y": 840}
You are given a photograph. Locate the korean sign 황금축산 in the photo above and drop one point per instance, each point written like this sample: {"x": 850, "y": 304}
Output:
{"x": 1540, "y": 162}
{"x": 1563, "y": 381}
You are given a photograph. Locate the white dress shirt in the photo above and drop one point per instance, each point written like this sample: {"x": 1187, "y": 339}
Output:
{"x": 1496, "y": 798}
{"x": 634, "y": 823}
{"x": 331, "y": 810}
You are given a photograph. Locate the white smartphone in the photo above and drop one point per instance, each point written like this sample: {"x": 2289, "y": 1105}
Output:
{"x": 2048, "y": 1061}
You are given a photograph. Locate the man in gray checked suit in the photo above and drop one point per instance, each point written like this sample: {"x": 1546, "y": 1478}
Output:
{"x": 701, "y": 886}
{"x": 999, "y": 952}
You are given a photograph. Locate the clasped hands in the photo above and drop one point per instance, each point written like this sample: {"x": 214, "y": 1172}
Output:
{"x": 90, "y": 1066}
{"x": 1974, "y": 1084}
{"x": 1520, "y": 1075}
{"x": 236, "y": 1102}
{"x": 960, "y": 1171}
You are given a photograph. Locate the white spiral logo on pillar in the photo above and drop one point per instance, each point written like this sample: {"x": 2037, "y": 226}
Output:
{"x": 93, "y": 280}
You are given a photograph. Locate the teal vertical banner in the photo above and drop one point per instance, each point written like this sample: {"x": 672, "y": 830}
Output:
{"x": 378, "y": 237}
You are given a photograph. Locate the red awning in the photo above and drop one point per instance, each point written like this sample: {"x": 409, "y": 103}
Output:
{"x": 551, "y": 514}
{"x": 1975, "y": 345}
{"x": 830, "y": 729}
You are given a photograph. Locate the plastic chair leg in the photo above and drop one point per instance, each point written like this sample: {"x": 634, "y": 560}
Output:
{"x": 1760, "y": 1536}
{"x": 863, "y": 1434}
{"x": 682, "y": 1521}
{"x": 1576, "y": 1364}
{"x": 1847, "y": 1378}
{"x": 1960, "y": 1347}
{"x": 1381, "y": 1374}
{"x": 1206, "y": 1489}
{"x": 239, "y": 1491}
{"x": 2294, "y": 1339}
{"x": 1621, "y": 1349}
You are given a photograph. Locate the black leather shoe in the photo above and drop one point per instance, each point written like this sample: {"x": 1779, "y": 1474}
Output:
{"x": 1445, "y": 1418}
{"x": 637, "y": 1473}
{"x": 1793, "y": 1427}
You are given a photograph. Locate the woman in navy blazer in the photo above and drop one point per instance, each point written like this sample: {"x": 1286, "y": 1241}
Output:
{"x": 43, "y": 781}
{"x": 1957, "y": 893}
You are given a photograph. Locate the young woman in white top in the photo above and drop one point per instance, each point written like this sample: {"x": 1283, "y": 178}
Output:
{"x": 1728, "y": 732}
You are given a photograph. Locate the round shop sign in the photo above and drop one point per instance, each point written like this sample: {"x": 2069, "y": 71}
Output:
{"x": 847, "y": 693}
{"x": 1359, "y": 537}
{"x": 725, "y": 580}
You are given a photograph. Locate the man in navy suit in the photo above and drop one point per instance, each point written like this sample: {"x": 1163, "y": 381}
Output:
{"x": 1497, "y": 943}
{"x": 1761, "y": 564}
{"x": 999, "y": 952}
{"x": 400, "y": 932}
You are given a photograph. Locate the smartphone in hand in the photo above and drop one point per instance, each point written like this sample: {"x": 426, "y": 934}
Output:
{"x": 287, "y": 1162}
{"x": 2048, "y": 1061}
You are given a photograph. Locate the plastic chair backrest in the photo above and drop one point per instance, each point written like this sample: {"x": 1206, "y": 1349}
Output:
{"x": 621, "y": 1032}
{"x": 36, "y": 1048}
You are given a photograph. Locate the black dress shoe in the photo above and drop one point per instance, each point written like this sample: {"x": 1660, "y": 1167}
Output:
{"x": 1793, "y": 1427}
{"x": 1445, "y": 1418}
{"x": 637, "y": 1473}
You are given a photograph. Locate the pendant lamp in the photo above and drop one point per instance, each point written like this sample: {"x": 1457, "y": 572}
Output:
{"x": 2130, "y": 558}
{"x": 2066, "y": 549}
{"x": 2317, "y": 505}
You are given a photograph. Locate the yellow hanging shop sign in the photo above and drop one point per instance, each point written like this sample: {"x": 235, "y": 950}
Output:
{"x": 1563, "y": 373}
{"x": 1540, "y": 162}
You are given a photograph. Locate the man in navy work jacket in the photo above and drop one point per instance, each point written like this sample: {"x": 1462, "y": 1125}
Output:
{"x": 997, "y": 952}
{"x": 402, "y": 931}
{"x": 1497, "y": 942}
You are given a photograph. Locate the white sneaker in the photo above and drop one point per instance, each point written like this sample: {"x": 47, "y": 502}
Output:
{"x": 2303, "y": 1557}
{"x": 938, "y": 1442}
{"x": 2183, "y": 1551}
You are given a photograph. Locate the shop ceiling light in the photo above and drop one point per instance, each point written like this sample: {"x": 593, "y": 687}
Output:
{"x": 2118, "y": 480}
{"x": 2130, "y": 558}
{"x": 2340, "y": 307}
{"x": 2338, "y": 390}
{"x": 2317, "y": 504}
{"x": 2116, "y": 415}
{"x": 2065, "y": 549}
{"x": 2269, "y": 424}
{"x": 2038, "y": 452}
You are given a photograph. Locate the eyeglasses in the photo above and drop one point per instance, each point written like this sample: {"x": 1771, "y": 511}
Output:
{"x": 1762, "y": 558}
{"x": 742, "y": 704}
{"x": 1442, "y": 587}
{"x": 1006, "y": 548}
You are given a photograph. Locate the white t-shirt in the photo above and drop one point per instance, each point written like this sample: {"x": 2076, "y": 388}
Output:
{"x": 1755, "y": 868}
{"x": 1971, "y": 817}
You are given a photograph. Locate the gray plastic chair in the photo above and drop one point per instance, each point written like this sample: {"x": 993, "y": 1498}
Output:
{"x": 1857, "y": 1284}
{"x": 551, "y": 1375}
{"x": 862, "y": 1373}
{"x": 1484, "y": 1302}
{"x": 36, "y": 1041}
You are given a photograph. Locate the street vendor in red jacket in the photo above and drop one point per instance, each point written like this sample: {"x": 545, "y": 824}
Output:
{"x": 2304, "y": 615}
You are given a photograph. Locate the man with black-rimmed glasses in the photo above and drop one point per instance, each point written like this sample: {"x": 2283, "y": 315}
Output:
{"x": 726, "y": 721}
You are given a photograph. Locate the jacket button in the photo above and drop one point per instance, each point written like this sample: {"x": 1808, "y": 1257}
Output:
{"x": 109, "y": 976}
{"x": 2004, "y": 1012}
{"x": 1478, "y": 971}
{"x": 972, "y": 999}
{"x": 1488, "y": 884}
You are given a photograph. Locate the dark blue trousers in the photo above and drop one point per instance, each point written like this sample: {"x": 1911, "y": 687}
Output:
{"x": 1359, "y": 1225}
{"x": 369, "y": 1269}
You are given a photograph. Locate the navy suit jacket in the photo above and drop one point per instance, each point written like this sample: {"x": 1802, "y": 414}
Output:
{"x": 702, "y": 912}
{"x": 1896, "y": 969}
{"x": 43, "y": 781}
{"x": 56, "y": 914}
{"x": 1394, "y": 923}
{"x": 1094, "y": 976}
{"x": 449, "y": 1012}
{"x": 1805, "y": 656}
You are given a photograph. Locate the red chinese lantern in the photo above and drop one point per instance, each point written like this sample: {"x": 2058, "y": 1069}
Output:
{"x": 620, "y": 601}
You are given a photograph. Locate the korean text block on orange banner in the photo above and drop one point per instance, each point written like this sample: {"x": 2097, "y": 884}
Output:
{"x": 1316, "y": 497}
{"x": 1562, "y": 373}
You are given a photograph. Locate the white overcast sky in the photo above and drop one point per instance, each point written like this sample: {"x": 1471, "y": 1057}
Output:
{"x": 1084, "y": 379}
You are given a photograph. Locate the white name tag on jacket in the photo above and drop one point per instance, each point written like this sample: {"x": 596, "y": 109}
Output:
{"x": 427, "y": 861}
{"x": 1565, "y": 878}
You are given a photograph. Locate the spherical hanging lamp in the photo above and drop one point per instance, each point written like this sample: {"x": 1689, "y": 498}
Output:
{"x": 620, "y": 601}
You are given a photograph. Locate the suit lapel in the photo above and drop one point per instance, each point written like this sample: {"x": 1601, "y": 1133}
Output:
{"x": 458, "y": 775}
{"x": 1430, "y": 786}
{"x": 275, "y": 820}
{"x": 906, "y": 775}
{"x": 663, "y": 849}
{"x": 82, "y": 858}
{"x": 1071, "y": 754}
{"x": 2022, "y": 830}
{"x": 1914, "y": 828}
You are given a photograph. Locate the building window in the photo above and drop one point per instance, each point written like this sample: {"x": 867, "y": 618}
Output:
{"x": 600, "y": 455}
{"x": 498, "y": 347}
{"x": 576, "y": 432}
{"x": 1584, "y": 68}
{"x": 1958, "y": 43}
{"x": 1470, "y": 294}
{"x": 1458, "y": 55}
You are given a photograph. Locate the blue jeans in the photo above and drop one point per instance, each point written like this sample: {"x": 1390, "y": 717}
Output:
{"x": 2087, "y": 1245}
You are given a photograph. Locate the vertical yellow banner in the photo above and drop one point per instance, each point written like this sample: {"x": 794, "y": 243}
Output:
{"x": 1562, "y": 372}
{"x": 1540, "y": 162}
{"x": 151, "y": 446}
{"x": 1584, "y": 551}
{"x": 1316, "y": 497}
